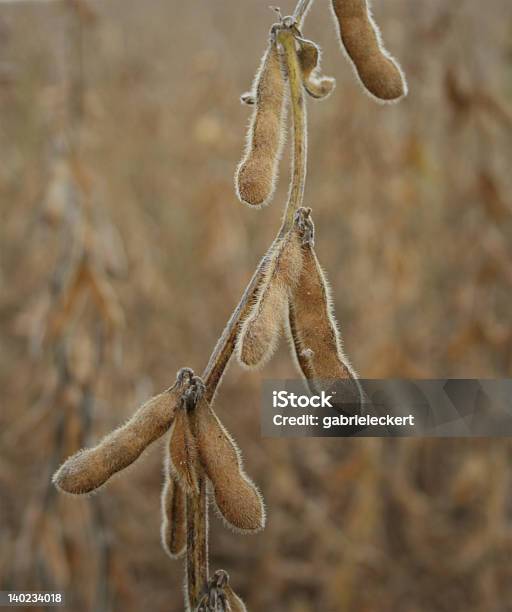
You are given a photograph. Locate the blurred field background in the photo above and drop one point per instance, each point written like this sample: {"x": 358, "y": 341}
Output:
{"x": 124, "y": 250}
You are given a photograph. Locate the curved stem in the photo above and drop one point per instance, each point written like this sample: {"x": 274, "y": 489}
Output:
{"x": 197, "y": 545}
{"x": 225, "y": 346}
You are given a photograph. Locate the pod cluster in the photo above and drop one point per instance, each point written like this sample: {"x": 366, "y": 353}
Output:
{"x": 198, "y": 446}
{"x": 378, "y": 72}
{"x": 256, "y": 175}
{"x": 294, "y": 295}
{"x": 89, "y": 469}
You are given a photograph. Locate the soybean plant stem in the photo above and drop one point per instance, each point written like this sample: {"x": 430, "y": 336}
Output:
{"x": 225, "y": 346}
{"x": 197, "y": 544}
{"x": 301, "y": 10}
{"x": 197, "y": 505}
{"x": 296, "y": 195}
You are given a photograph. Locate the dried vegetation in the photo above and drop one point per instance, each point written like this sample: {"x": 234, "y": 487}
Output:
{"x": 414, "y": 214}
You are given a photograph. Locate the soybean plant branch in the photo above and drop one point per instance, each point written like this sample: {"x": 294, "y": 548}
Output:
{"x": 225, "y": 346}
{"x": 287, "y": 39}
{"x": 197, "y": 520}
{"x": 197, "y": 545}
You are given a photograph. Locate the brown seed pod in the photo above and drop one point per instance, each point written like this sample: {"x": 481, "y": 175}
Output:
{"x": 234, "y": 602}
{"x": 256, "y": 175}
{"x": 90, "y": 468}
{"x": 174, "y": 518}
{"x": 259, "y": 333}
{"x": 66, "y": 304}
{"x": 316, "y": 85}
{"x": 314, "y": 332}
{"x": 237, "y": 498}
{"x": 183, "y": 452}
{"x": 219, "y": 596}
{"x": 378, "y": 71}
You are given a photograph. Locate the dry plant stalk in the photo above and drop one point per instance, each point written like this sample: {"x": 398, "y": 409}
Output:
{"x": 104, "y": 297}
{"x": 78, "y": 340}
{"x": 66, "y": 303}
{"x": 86, "y": 278}
{"x": 202, "y": 459}
{"x": 196, "y": 565}
{"x": 379, "y": 73}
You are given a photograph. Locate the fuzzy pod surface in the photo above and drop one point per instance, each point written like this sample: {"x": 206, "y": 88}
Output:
{"x": 219, "y": 596}
{"x": 183, "y": 452}
{"x": 90, "y": 468}
{"x": 234, "y": 602}
{"x": 313, "y": 329}
{"x": 259, "y": 333}
{"x": 174, "y": 517}
{"x": 377, "y": 70}
{"x": 257, "y": 172}
{"x": 317, "y": 85}
{"x": 237, "y": 498}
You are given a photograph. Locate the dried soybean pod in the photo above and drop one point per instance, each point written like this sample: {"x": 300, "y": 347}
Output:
{"x": 259, "y": 334}
{"x": 316, "y": 85}
{"x": 90, "y": 468}
{"x": 219, "y": 596}
{"x": 256, "y": 175}
{"x": 302, "y": 354}
{"x": 378, "y": 71}
{"x": 237, "y": 498}
{"x": 104, "y": 297}
{"x": 230, "y": 599}
{"x": 234, "y": 602}
{"x": 174, "y": 518}
{"x": 66, "y": 303}
{"x": 183, "y": 451}
{"x": 314, "y": 330}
